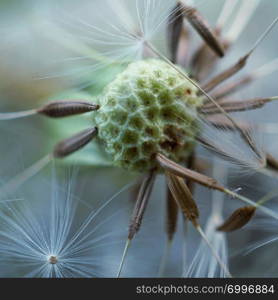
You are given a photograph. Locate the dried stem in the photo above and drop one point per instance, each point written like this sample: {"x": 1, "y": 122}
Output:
{"x": 138, "y": 213}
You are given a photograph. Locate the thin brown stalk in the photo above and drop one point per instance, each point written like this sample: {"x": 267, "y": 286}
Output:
{"x": 176, "y": 169}
{"x": 138, "y": 213}
{"x": 235, "y": 106}
{"x": 202, "y": 27}
{"x": 74, "y": 143}
{"x": 141, "y": 204}
{"x": 238, "y": 219}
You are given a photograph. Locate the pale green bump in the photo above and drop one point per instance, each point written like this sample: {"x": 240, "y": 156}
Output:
{"x": 148, "y": 108}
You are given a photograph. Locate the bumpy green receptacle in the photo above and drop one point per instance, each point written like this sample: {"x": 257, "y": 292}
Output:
{"x": 148, "y": 108}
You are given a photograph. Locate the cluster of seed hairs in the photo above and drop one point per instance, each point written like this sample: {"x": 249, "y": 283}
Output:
{"x": 57, "y": 235}
{"x": 147, "y": 121}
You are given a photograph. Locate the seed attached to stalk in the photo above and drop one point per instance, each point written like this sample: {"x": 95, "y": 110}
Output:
{"x": 235, "y": 106}
{"x": 58, "y": 109}
{"x": 55, "y": 109}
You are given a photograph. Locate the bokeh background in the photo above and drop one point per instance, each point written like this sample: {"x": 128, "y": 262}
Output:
{"x": 35, "y": 65}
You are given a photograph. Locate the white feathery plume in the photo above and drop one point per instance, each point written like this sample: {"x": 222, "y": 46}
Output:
{"x": 54, "y": 238}
{"x": 115, "y": 34}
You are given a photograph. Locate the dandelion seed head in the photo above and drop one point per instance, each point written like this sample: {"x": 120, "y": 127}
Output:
{"x": 139, "y": 115}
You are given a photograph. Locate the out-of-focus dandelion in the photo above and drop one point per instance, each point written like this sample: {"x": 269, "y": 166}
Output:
{"x": 150, "y": 117}
{"x": 57, "y": 236}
